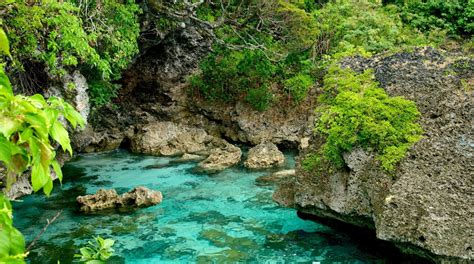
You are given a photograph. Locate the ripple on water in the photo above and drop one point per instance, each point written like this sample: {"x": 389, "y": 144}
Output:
{"x": 223, "y": 218}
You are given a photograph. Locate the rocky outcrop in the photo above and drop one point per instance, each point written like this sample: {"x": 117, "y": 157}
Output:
{"x": 171, "y": 139}
{"x": 425, "y": 206}
{"x": 264, "y": 155}
{"x": 220, "y": 159}
{"x": 107, "y": 199}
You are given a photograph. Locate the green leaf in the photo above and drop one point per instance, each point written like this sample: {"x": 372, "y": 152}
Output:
{"x": 108, "y": 243}
{"x": 57, "y": 170}
{"x": 4, "y": 45}
{"x": 48, "y": 187}
{"x": 8, "y": 126}
{"x": 60, "y": 134}
{"x": 39, "y": 177}
{"x": 39, "y": 123}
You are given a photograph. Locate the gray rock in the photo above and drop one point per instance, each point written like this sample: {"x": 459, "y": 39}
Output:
{"x": 425, "y": 206}
{"x": 170, "y": 139}
{"x": 264, "y": 155}
{"x": 220, "y": 159}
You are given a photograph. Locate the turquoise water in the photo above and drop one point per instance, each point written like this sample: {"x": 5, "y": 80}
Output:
{"x": 220, "y": 218}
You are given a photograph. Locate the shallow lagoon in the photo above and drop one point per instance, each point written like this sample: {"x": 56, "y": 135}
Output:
{"x": 216, "y": 218}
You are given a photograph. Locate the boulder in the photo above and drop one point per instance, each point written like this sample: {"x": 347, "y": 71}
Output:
{"x": 264, "y": 155}
{"x": 107, "y": 199}
{"x": 170, "y": 139}
{"x": 220, "y": 159}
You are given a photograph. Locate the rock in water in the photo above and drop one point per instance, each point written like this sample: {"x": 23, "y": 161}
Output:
{"x": 106, "y": 199}
{"x": 264, "y": 155}
{"x": 427, "y": 202}
{"x": 141, "y": 197}
{"x": 220, "y": 159}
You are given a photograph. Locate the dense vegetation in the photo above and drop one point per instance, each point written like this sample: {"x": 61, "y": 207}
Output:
{"x": 292, "y": 41}
{"x": 97, "y": 37}
{"x": 356, "y": 112}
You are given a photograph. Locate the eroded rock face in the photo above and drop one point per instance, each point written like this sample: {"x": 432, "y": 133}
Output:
{"x": 264, "y": 155}
{"x": 427, "y": 201}
{"x": 220, "y": 159}
{"x": 107, "y": 199}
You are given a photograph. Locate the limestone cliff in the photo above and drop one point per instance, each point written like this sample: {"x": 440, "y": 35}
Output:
{"x": 425, "y": 206}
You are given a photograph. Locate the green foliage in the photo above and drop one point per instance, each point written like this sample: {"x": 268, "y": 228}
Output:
{"x": 102, "y": 92}
{"x": 356, "y": 112}
{"x": 97, "y": 251}
{"x": 311, "y": 161}
{"x": 27, "y": 126}
{"x": 298, "y": 86}
{"x": 457, "y": 17}
{"x": 100, "y": 37}
{"x": 346, "y": 25}
{"x": 229, "y": 75}
{"x": 12, "y": 243}
{"x": 260, "y": 98}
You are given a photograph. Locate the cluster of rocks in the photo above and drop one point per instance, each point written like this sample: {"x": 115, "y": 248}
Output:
{"x": 108, "y": 199}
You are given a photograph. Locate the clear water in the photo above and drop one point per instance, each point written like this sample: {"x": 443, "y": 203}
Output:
{"x": 221, "y": 218}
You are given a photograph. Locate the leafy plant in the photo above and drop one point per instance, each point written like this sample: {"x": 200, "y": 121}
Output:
{"x": 356, "y": 112}
{"x": 97, "y": 251}
{"x": 298, "y": 86}
{"x": 457, "y": 17}
{"x": 12, "y": 243}
{"x": 99, "y": 37}
{"x": 102, "y": 92}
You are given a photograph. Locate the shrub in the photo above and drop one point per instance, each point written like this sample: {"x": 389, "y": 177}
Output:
{"x": 99, "y": 37}
{"x": 457, "y": 17}
{"x": 260, "y": 98}
{"x": 228, "y": 76}
{"x": 356, "y": 112}
{"x": 298, "y": 86}
{"x": 102, "y": 92}
{"x": 349, "y": 24}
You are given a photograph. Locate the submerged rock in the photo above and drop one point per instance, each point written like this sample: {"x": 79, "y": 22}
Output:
{"x": 276, "y": 177}
{"x": 107, "y": 199}
{"x": 188, "y": 158}
{"x": 264, "y": 155}
{"x": 425, "y": 205}
{"x": 220, "y": 159}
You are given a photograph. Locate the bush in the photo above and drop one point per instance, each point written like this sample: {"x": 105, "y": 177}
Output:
{"x": 228, "y": 76}
{"x": 99, "y": 37}
{"x": 260, "y": 98}
{"x": 356, "y": 112}
{"x": 348, "y": 24}
{"x": 102, "y": 93}
{"x": 298, "y": 86}
{"x": 457, "y": 17}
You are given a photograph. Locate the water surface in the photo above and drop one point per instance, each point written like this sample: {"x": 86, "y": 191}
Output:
{"x": 220, "y": 218}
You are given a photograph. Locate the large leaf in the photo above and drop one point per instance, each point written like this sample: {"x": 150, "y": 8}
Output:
{"x": 39, "y": 177}
{"x": 39, "y": 123}
{"x": 60, "y": 134}
{"x": 8, "y": 126}
{"x": 57, "y": 170}
{"x": 4, "y": 45}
